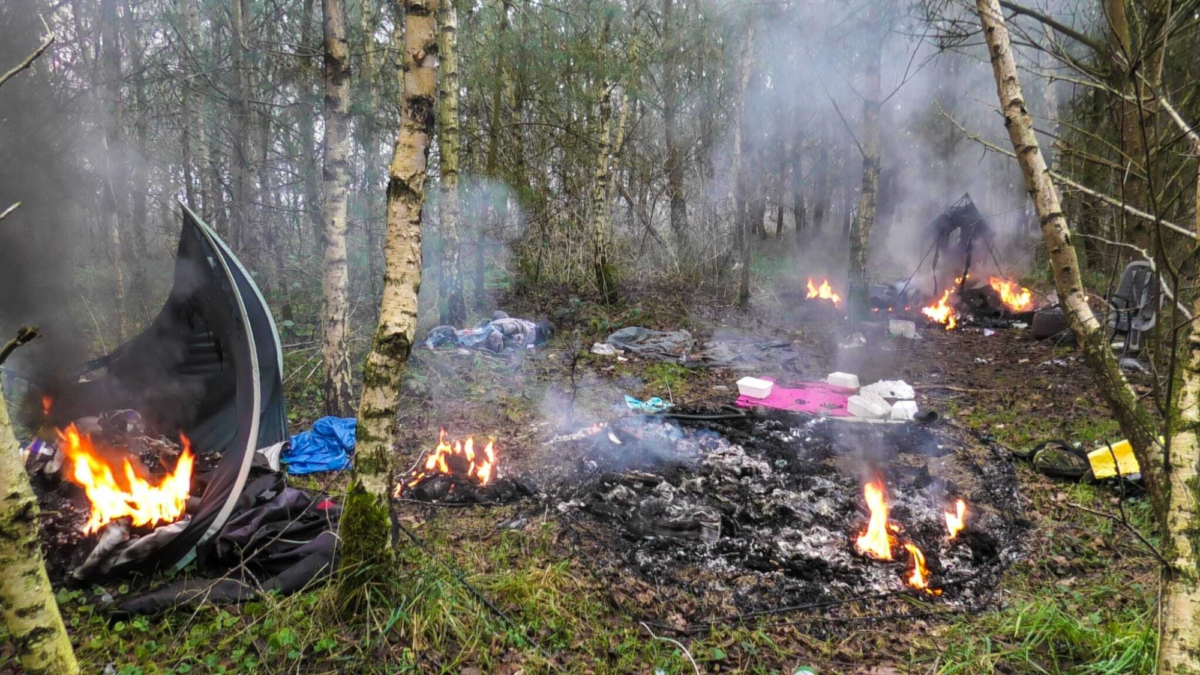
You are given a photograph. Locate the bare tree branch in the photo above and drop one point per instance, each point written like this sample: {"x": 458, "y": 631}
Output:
{"x": 28, "y": 60}
{"x": 9, "y": 210}
{"x": 1054, "y": 24}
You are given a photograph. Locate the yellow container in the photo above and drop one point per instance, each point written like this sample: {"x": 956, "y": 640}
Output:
{"x": 1102, "y": 461}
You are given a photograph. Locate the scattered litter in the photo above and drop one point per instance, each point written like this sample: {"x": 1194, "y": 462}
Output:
{"x": 651, "y": 406}
{"x": 604, "y": 349}
{"x": 325, "y": 447}
{"x": 1022, "y": 361}
{"x": 898, "y": 389}
{"x": 905, "y": 329}
{"x": 1020, "y": 325}
{"x": 1132, "y": 365}
{"x": 1101, "y": 460}
{"x": 815, "y": 398}
{"x": 1054, "y": 362}
{"x": 853, "y": 341}
{"x": 497, "y": 335}
{"x": 904, "y": 410}
{"x": 754, "y": 387}
{"x": 868, "y": 406}
{"x": 988, "y": 332}
{"x": 844, "y": 380}
{"x": 981, "y": 360}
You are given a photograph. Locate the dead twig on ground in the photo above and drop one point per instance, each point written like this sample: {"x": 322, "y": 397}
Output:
{"x": 9, "y": 210}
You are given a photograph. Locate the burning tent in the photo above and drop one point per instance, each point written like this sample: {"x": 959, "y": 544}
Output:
{"x": 208, "y": 367}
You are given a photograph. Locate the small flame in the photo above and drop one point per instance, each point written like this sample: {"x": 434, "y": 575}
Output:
{"x": 824, "y": 292}
{"x": 920, "y": 574}
{"x": 955, "y": 521}
{"x": 127, "y": 495}
{"x": 461, "y": 458}
{"x": 942, "y": 312}
{"x": 1014, "y": 297}
{"x": 876, "y": 542}
{"x": 46, "y": 403}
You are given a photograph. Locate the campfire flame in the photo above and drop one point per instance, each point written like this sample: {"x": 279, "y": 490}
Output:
{"x": 126, "y": 495}
{"x": 824, "y": 292}
{"x": 457, "y": 459}
{"x": 1014, "y": 297}
{"x": 920, "y": 574}
{"x": 955, "y": 521}
{"x": 876, "y": 542}
{"x": 942, "y": 312}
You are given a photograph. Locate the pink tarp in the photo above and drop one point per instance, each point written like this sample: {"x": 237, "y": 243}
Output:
{"x": 815, "y": 398}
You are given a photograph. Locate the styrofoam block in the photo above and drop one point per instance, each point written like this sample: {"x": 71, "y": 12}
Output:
{"x": 754, "y": 387}
{"x": 890, "y": 389}
{"x": 904, "y": 410}
{"x": 846, "y": 380}
{"x": 901, "y": 328}
{"x": 868, "y": 406}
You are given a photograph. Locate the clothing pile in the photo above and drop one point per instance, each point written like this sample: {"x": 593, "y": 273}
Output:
{"x": 497, "y": 335}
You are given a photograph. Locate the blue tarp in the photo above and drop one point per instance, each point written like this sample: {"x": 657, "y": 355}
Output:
{"x": 325, "y": 447}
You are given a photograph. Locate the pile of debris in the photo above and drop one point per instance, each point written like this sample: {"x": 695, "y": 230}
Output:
{"x": 755, "y": 511}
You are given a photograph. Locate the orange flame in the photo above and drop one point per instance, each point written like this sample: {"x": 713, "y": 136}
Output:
{"x": 128, "y": 495}
{"x": 955, "y": 521}
{"x": 1014, "y": 299}
{"x": 47, "y": 402}
{"x": 875, "y": 542}
{"x": 459, "y": 458}
{"x": 920, "y": 574}
{"x": 942, "y": 312}
{"x": 824, "y": 292}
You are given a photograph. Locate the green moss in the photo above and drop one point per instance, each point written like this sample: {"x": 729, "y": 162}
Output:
{"x": 365, "y": 556}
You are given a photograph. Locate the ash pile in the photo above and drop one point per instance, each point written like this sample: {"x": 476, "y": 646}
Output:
{"x": 720, "y": 512}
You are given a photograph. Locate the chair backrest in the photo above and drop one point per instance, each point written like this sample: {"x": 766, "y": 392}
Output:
{"x": 1135, "y": 295}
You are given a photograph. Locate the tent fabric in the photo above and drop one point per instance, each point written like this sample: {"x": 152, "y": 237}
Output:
{"x": 325, "y": 447}
{"x": 209, "y": 365}
{"x": 282, "y": 539}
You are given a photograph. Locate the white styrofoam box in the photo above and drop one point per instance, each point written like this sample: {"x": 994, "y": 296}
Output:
{"x": 901, "y": 328}
{"x": 904, "y": 410}
{"x": 842, "y": 380}
{"x": 754, "y": 387}
{"x": 868, "y": 406}
{"x": 890, "y": 389}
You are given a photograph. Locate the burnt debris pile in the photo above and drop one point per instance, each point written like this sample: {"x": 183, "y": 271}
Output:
{"x": 745, "y": 513}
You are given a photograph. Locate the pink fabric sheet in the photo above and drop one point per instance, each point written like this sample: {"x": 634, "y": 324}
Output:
{"x": 815, "y": 398}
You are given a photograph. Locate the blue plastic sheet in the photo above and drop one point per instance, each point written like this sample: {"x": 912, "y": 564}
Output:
{"x": 325, "y": 447}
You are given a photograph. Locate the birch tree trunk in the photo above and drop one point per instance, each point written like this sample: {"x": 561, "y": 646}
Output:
{"x": 858, "y": 288}
{"x": 738, "y": 159}
{"x": 492, "y": 166}
{"x": 1172, "y": 489}
{"x": 606, "y": 280}
{"x": 30, "y": 611}
{"x": 338, "y": 389}
{"x": 679, "y": 220}
{"x": 365, "y": 527}
{"x": 454, "y": 306}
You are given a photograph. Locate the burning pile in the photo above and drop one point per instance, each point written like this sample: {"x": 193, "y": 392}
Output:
{"x": 1014, "y": 297}
{"x": 876, "y": 541}
{"x": 760, "y": 511}
{"x": 125, "y": 493}
{"x": 822, "y": 292}
{"x": 458, "y": 472}
{"x": 942, "y": 311}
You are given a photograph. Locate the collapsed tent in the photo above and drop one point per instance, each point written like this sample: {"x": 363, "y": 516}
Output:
{"x": 209, "y": 365}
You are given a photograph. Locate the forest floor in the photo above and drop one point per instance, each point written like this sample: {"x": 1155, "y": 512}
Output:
{"x": 1081, "y": 598}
